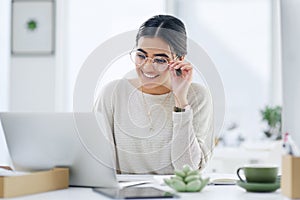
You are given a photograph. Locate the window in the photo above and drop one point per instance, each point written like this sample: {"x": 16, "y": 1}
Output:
{"x": 237, "y": 36}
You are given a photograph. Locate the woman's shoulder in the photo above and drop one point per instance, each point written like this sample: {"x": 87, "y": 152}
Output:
{"x": 116, "y": 85}
{"x": 198, "y": 93}
{"x": 198, "y": 89}
{"x": 115, "y": 89}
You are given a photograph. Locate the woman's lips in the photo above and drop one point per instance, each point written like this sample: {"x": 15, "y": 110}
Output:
{"x": 150, "y": 76}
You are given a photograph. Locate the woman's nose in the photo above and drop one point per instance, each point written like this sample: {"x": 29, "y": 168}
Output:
{"x": 148, "y": 64}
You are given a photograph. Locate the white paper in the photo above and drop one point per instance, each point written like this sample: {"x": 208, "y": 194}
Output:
{"x": 6, "y": 172}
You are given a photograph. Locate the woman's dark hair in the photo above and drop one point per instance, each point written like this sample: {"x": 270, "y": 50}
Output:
{"x": 168, "y": 28}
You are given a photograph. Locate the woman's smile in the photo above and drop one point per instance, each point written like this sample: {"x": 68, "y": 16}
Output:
{"x": 149, "y": 75}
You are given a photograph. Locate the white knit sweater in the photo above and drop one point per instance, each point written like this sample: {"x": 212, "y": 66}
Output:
{"x": 177, "y": 138}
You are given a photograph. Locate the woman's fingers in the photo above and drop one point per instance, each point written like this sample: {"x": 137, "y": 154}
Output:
{"x": 173, "y": 72}
{"x": 177, "y": 65}
{"x": 181, "y": 65}
{"x": 185, "y": 69}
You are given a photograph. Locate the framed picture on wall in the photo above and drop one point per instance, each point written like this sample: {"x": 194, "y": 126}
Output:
{"x": 33, "y": 29}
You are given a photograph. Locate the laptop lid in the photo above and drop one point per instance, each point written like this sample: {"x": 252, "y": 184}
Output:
{"x": 80, "y": 141}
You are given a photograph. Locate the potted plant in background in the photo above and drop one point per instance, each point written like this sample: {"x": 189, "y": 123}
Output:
{"x": 272, "y": 115}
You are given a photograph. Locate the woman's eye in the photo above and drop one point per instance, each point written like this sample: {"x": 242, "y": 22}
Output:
{"x": 141, "y": 56}
{"x": 160, "y": 60}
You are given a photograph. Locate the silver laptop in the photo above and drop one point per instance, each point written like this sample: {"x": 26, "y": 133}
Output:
{"x": 80, "y": 141}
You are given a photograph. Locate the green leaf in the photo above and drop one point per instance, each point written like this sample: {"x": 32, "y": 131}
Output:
{"x": 272, "y": 115}
{"x": 180, "y": 173}
{"x": 204, "y": 182}
{"x": 193, "y": 186}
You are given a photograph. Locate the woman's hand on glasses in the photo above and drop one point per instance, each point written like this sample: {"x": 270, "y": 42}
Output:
{"x": 180, "y": 84}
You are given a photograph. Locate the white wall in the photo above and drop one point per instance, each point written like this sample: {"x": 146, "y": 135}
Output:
{"x": 4, "y": 70}
{"x": 32, "y": 83}
{"x": 290, "y": 23}
{"x": 4, "y": 53}
{"x": 276, "y": 64}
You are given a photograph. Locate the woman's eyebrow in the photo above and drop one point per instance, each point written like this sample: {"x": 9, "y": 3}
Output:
{"x": 158, "y": 54}
{"x": 161, "y": 54}
{"x": 142, "y": 51}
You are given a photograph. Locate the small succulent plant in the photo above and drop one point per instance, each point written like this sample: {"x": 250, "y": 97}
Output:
{"x": 187, "y": 180}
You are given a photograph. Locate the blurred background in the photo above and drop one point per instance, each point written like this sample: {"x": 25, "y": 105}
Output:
{"x": 242, "y": 37}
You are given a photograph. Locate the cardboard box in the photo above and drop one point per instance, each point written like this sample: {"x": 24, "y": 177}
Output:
{"x": 290, "y": 179}
{"x": 35, "y": 182}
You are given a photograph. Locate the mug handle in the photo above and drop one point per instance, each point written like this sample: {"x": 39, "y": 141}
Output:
{"x": 238, "y": 173}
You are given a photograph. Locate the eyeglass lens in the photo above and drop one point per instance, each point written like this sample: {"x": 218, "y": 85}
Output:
{"x": 159, "y": 63}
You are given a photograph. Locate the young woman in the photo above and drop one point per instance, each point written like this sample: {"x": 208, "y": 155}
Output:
{"x": 160, "y": 120}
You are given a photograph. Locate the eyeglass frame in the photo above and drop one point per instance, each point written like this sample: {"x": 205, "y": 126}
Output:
{"x": 147, "y": 57}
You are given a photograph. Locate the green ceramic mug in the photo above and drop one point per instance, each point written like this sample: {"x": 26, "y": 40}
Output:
{"x": 259, "y": 173}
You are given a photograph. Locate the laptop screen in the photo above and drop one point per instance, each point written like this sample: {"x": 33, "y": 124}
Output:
{"x": 80, "y": 141}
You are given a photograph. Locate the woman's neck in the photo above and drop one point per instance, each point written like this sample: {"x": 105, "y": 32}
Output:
{"x": 155, "y": 90}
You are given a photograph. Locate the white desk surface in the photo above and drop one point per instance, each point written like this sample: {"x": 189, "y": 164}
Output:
{"x": 210, "y": 192}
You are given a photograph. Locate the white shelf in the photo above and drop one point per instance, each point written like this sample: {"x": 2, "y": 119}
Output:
{"x": 229, "y": 159}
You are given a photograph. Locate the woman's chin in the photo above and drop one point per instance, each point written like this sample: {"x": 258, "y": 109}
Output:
{"x": 152, "y": 83}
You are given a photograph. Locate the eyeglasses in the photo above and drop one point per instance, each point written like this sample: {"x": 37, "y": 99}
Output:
{"x": 159, "y": 63}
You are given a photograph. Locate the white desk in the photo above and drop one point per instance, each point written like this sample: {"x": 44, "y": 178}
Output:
{"x": 209, "y": 192}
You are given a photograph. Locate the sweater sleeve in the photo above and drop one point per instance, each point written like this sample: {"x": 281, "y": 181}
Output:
{"x": 105, "y": 105}
{"x": 193, "y": 131}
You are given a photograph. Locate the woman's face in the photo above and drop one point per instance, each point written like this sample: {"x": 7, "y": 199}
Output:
{"x": 148, "y": 75}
